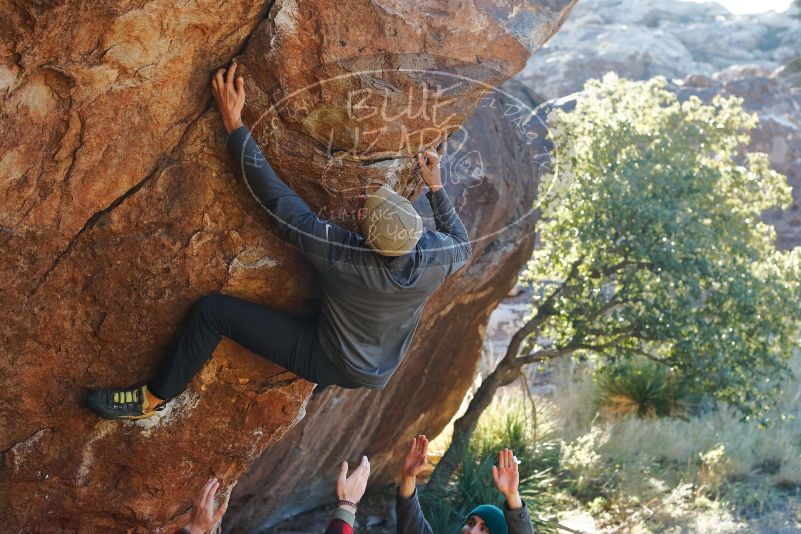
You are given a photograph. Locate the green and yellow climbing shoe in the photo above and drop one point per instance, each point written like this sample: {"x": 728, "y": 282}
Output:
{"x": 122, "y": 403}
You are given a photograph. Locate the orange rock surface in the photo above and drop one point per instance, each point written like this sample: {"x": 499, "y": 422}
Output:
{"x": 120, "y": 207}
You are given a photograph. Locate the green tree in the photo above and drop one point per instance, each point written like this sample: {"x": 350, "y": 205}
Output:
{"x": 651, "y": 246}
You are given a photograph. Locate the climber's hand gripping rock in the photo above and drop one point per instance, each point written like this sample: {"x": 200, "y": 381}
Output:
{"x": 230, "y": 97}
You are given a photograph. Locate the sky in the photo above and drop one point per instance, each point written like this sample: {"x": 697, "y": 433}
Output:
{"x": 742, "y": 7}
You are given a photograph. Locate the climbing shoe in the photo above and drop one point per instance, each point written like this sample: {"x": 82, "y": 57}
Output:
{"x": 122, "y": 403}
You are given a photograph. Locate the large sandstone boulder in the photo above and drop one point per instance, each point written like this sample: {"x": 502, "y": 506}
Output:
{"x": 119, "y": 208}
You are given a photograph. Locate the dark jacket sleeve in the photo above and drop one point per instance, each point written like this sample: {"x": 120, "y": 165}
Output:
{"x": 451, "y": 245}
{"x": 323, "y": 243}
{"x": 410, "y": 516}
{"x": 519, "y": 521}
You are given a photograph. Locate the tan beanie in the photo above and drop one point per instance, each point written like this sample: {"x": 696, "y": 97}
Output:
{"x": 391, "y": 225}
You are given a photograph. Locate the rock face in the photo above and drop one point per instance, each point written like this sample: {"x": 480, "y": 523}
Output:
{"x": 639, "y": 39}
{"x": 705, "y": 50}
{"x": 119, "y": 208}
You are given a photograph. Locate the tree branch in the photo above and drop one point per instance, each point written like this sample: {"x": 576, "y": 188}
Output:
{"x": 549, "y": 354}
{"x": 543, "y": 313}
{"x": 662, "y": 361}
{"x": 625, "y": 263}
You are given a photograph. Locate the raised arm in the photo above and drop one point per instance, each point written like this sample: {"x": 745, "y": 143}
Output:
{"x": 410, "y": 515}
{"x": 407, "y": 505}
{"x": 350, "y": 490}
{"x": 323, "y": 243}
{"x": 507, "y": 480}
{"x": 453, "y": 246}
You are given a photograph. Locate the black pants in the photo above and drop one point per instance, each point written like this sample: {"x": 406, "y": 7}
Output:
{"x": 285, "y": 339}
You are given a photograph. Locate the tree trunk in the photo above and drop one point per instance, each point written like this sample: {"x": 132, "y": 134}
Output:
{"x": 505, "y": 373}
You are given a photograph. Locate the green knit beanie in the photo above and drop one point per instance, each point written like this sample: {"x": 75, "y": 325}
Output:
{"x": 493, "y": 517}
{"x": 391, "y": 225}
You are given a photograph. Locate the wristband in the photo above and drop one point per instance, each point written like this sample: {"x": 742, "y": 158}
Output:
{"x": 341, "y": 502}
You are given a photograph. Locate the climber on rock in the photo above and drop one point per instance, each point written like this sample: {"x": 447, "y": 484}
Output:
{"x": 483, "y": 519}
{"x": 374, "y": 284}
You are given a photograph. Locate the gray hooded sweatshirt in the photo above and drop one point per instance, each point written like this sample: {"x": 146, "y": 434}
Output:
{"x": 371, "y": 304}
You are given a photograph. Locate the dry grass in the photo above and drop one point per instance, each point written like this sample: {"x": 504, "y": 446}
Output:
{"x": 659, "y": 473}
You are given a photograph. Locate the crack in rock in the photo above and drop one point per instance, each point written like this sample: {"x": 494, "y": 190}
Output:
{"x": 159, "y": 166}
{"x": 18, "y": 452}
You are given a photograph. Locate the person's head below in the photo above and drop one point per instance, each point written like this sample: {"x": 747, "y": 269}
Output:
{"x": 389, "y": 223}
{"x": 485, "y": 519}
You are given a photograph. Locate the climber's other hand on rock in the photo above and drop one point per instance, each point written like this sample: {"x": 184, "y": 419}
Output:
{"x": 230, "y": 96}
{"x": 203, "y": 518}
{"x": 428, "y": 161}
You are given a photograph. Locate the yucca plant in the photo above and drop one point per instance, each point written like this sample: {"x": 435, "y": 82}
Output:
{"x": 642, "y": 388}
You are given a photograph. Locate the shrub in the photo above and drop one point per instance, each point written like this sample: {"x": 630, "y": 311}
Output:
{"x": 642, "y": 388}
{"x": 582, "y": 464}
{"x": 637, "y": 465}
{"x": 651, "y": 244}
